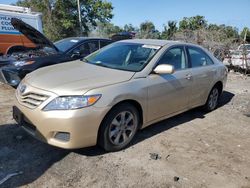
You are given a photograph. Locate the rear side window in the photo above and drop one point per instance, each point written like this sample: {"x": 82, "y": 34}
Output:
{"x": 87, "y": 48}
{"x": 198, "y": 57}
{"x": 176, "y": 57}
{"x": 104, "y": 43}
{"x": 92, "y": 46}
{"x": 83, "y": 49}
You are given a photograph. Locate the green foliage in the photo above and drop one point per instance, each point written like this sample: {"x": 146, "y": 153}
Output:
{"x": 225, "y": 32}
{"x": 147, "y": 30}
{"x": 169, "y": 30}
{"x": 60, "y": 17}
{"x": 245, "y": 31}
{"x": 195, "y": 29}
{"x": 106, "y": 30}
{"x": 129, "y": 28}
{"x": 193, "y": 23}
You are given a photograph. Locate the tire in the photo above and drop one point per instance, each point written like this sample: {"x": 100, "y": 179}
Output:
{"x": 212, "y": 100}
{"x": 118, "y": 127}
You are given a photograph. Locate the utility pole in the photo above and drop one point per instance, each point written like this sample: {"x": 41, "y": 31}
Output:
{"x": 245, "y": 35}
{"x": 79, "y": 15}
{"x": 244, "y": 54}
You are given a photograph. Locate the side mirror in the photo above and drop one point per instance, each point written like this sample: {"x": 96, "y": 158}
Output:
{"x": 76, "y": 53}
{"x": 164, "y": 69}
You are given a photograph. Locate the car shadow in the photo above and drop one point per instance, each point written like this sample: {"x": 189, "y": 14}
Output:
{"x": 178, "y": 120}
{"x": 21, "y": 152}
{"x": 164, "y": 125}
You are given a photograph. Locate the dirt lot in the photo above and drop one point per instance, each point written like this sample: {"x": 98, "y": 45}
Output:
{"x": 193, "y": 149}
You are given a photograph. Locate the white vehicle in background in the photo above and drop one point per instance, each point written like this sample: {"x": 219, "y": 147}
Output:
{"x": 247, "y": 47}
{"x": 239, "y": 58}
{"x": 10, "y": 39}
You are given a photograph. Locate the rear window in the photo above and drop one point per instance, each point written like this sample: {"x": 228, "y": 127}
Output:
{"x": 104, "y": 43}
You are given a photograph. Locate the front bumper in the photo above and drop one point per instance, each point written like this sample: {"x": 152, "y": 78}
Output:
{"x": 67, "y": 129}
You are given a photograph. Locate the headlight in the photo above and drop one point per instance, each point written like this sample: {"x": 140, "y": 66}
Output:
{"x": 71, "y": 102}
{"x": 11, "y": 77}
{"x": 22, "y": 63}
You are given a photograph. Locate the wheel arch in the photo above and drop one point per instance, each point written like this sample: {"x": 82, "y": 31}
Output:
{"x": 219, "y": 85}
{"x": 133, "y": 102}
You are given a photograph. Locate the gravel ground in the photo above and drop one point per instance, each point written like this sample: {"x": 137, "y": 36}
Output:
{"x": 193, "y": 149}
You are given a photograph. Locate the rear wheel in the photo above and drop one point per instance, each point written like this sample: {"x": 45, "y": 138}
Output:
{"x": 119, "y": 127}
{"x": 212, "y": 100}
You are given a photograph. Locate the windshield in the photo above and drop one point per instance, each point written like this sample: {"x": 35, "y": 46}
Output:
{"x": 65, "y": 44}
{"x": 124, "y": 56}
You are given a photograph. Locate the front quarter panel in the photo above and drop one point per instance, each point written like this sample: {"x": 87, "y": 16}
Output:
{"x": 135, "y": 89}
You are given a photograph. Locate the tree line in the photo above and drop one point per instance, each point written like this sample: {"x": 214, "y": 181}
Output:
{"x": 60, "y": 20}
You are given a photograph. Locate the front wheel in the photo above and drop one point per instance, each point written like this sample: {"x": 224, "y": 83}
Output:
{"x": 119, "y": 127}
{"x": 212, "y": 100}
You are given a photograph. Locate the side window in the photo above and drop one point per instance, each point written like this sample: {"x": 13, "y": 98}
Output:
{"x": 87, "y": 48}
{"x": 93, "y": 46}
{"x": 176, "y": 57}
{"x": 198, "y": 57}
{"x": 104, "y": 43}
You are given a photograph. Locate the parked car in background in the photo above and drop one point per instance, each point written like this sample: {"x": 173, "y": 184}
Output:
{"x": 123, "y": 36}
{"x": 113, "y": 92}
{"x": 15, "y": 66}
{"x": 239, "y": 59}
{"x": 244, "y": 47}
{"x": 10, "y": 38}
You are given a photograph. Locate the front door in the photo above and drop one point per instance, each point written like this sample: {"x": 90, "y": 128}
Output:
{"x": 169, "y": 93}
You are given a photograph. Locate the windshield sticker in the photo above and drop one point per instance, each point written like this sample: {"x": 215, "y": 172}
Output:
{"x": 151, "y": 46}
{"x": 73, "y": 40}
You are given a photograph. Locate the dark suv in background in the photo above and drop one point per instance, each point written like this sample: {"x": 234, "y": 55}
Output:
{"x": 15, "y": 65}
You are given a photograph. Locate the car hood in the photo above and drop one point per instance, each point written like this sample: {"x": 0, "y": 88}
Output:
{"x": 32, "y": 34}
{"x": 75, "y": 77}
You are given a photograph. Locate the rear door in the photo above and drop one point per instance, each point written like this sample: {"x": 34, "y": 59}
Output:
{"x": 169, "y": 93}
{"x": 203, "y": 72}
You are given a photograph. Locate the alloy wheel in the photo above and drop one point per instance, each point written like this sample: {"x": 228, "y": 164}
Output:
{"x": 122, "y": 128}
{"x": 213, "y": 98}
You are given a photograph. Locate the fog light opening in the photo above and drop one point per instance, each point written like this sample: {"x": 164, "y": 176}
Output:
{"x": 62, "y": 136}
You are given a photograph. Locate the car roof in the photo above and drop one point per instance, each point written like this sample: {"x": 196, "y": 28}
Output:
{"x": 85, "y": 38}
{"x": 152, "y": 42}
{"x": 158, "y": 42}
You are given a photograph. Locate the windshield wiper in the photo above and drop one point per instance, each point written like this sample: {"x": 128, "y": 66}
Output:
{"x": 101, "y": 64}
{"x": 98, "y": 64}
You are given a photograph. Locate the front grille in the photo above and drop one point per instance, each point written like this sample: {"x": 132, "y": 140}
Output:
{"x": 31, "y": 99}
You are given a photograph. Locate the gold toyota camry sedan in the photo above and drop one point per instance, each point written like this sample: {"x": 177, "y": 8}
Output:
{"x": 108, "y": 96}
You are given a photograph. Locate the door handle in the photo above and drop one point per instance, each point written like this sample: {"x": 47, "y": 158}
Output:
{"x": 188, "y": 76}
